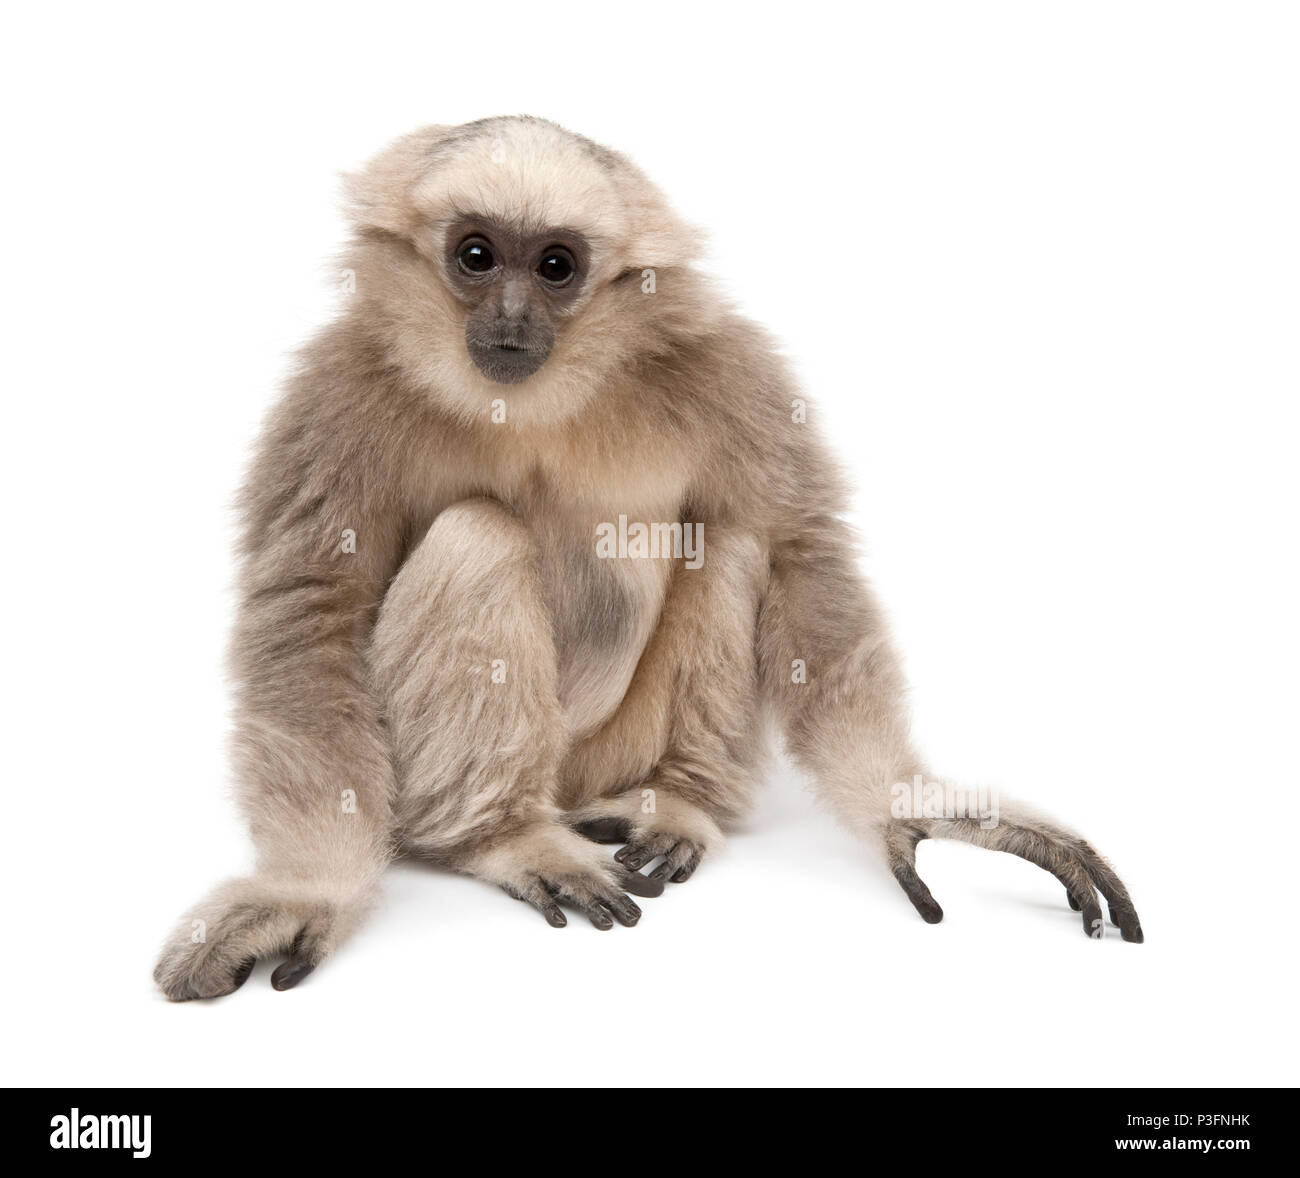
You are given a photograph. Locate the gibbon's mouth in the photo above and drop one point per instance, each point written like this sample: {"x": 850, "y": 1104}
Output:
{"x": 507, "y": 363}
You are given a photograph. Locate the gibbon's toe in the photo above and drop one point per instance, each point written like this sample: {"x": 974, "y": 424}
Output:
{"x": 681, "y": 855}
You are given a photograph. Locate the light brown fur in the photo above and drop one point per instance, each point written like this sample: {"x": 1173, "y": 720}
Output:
{"x": 478, "y": 680}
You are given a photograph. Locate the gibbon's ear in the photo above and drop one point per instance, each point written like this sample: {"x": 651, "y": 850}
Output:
{"x": 379, "y": 194}
{"x": 658, "y": 237}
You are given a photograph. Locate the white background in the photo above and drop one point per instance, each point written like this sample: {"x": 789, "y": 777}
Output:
{"x": 1038, "y": 265}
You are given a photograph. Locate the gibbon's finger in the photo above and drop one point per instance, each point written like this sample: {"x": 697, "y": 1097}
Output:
{"x": 1081, "y": 869}
{"x": 308, "y": 950}
{"x": 661, "y": 872}
{"x": 604, "y": 830}
{"x": 1122, "y": 912}
{"x": 1082, "y": 897}
{"x": 917, "y": 892}
{"x": 1090, "y": 911}
{"x": 624, "y": 909}
{"x": 688, "y": 868}
{"x": 551, "y": 910}
{"x": 900, "y": 850}
{"x": 537, "y": 895}
{"x": 613, "y": 900}
{"x": 1069, "y": 890}
{"x": 675, "y": 861}
{"x": 589, "y": 895}
{"x": 289, "y": 973}
{"x": 643, "y": 848}
{"x": 1072, "y": 875}
{"x": 241, "y": 974}
{"x": 634, "y": 858}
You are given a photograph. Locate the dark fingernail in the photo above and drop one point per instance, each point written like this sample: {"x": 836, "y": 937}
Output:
{"x": 290, "y": 973}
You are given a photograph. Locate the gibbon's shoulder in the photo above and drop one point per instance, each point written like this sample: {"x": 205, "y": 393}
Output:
{"x": 759, "y": 455}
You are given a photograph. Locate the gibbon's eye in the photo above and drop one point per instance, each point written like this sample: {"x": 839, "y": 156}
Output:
{"x": 556, "y": 266}
{"x": 475, "y": 256}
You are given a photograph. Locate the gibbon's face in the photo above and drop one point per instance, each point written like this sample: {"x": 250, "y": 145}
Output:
{"x": 506, "y": 262}
{"x": 516, "y": 285}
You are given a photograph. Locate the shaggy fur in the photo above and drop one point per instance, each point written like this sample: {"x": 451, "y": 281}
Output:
{"x": 431, "y": 660}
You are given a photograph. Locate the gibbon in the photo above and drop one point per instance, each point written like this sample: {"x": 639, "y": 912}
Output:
{"x": 441, "y": 652}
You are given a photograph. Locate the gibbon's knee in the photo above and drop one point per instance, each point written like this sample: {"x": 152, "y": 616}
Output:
{"x": 468, "y": 542}
{"x": 475, "y": 567}
{"x": 464, "y": 664}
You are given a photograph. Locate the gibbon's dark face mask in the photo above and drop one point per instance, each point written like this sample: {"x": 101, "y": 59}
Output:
{"x": 515, "y": 285}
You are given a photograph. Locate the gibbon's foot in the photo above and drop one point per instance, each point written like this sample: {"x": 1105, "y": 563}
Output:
{"x": 1079, "y": 868}
{"x": 548, "y": 866}
{"x": 677, "y": 830}
{"x": 214, "y": 949}
{"x": 681, "y": 856}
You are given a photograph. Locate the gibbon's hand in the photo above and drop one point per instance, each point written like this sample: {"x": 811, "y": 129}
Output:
{"x": 215, "y": 947}
{"x": 1080, "y": 869}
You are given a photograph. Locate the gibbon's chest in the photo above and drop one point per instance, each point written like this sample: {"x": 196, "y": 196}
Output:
{"x": 603, "y": 605}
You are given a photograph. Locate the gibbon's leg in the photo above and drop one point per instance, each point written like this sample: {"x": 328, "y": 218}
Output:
{"x": 827, "y": 663}
{"x": 680, "y": 755}
{"x": 465, "y": 669}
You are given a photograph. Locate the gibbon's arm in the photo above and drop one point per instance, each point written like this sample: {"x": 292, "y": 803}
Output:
{"x": 827, "y": 662}
{"x": 321, "y": 541}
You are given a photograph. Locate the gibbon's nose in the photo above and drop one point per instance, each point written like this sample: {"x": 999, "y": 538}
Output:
{"x": 514, "y": 302}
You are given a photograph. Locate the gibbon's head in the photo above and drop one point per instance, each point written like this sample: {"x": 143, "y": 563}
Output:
{"x": 512, "y": 259}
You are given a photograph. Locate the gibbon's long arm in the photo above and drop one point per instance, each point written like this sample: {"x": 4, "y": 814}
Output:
{"x": 844, "y": 719}
{"x": 313, "y": 770}
{"x": 825, "y": 657}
